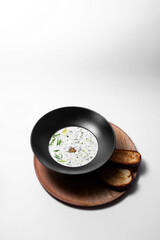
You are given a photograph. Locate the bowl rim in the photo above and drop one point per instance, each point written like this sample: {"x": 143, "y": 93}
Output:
{"x": 72, "y": 168}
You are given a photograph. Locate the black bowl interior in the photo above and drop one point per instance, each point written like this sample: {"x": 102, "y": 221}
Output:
{"x": 72, "y": 116}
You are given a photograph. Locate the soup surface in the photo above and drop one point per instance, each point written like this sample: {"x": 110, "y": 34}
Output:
{"x": 73, "y": 146}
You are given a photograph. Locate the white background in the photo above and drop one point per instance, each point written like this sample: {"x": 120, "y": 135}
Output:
{"x": 103, "y": 55}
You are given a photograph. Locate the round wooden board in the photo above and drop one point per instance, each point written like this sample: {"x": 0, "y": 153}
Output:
{"x": 84, "y": 190}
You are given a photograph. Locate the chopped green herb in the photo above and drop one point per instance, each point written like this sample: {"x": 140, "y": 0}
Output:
{"x": 52, "y": 141}
{"x": 58, "y": 141}
{"x": 57, "y": 156}
{"x": 55, "y": 150}
{"x": 55, "y": 135}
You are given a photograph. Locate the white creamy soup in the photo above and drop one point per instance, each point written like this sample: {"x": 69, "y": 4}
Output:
{"x": 73, "y": 146}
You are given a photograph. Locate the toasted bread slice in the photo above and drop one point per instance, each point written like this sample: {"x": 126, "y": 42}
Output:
{"x": 116, "y": 178}
{"x": 125, "y": 157}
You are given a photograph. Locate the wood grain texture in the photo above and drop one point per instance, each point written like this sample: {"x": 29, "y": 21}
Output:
{"x": 84, "y": 190}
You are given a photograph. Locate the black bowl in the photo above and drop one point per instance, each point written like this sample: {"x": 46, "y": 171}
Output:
{"x": 72, "y": 116}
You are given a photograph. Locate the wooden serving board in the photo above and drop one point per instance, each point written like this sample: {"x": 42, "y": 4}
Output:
{"x": 84, "y": 190}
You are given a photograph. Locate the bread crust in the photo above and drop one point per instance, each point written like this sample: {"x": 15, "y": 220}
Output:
{"x": 125, "y": 158}
{"x": 116, "y": 178}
